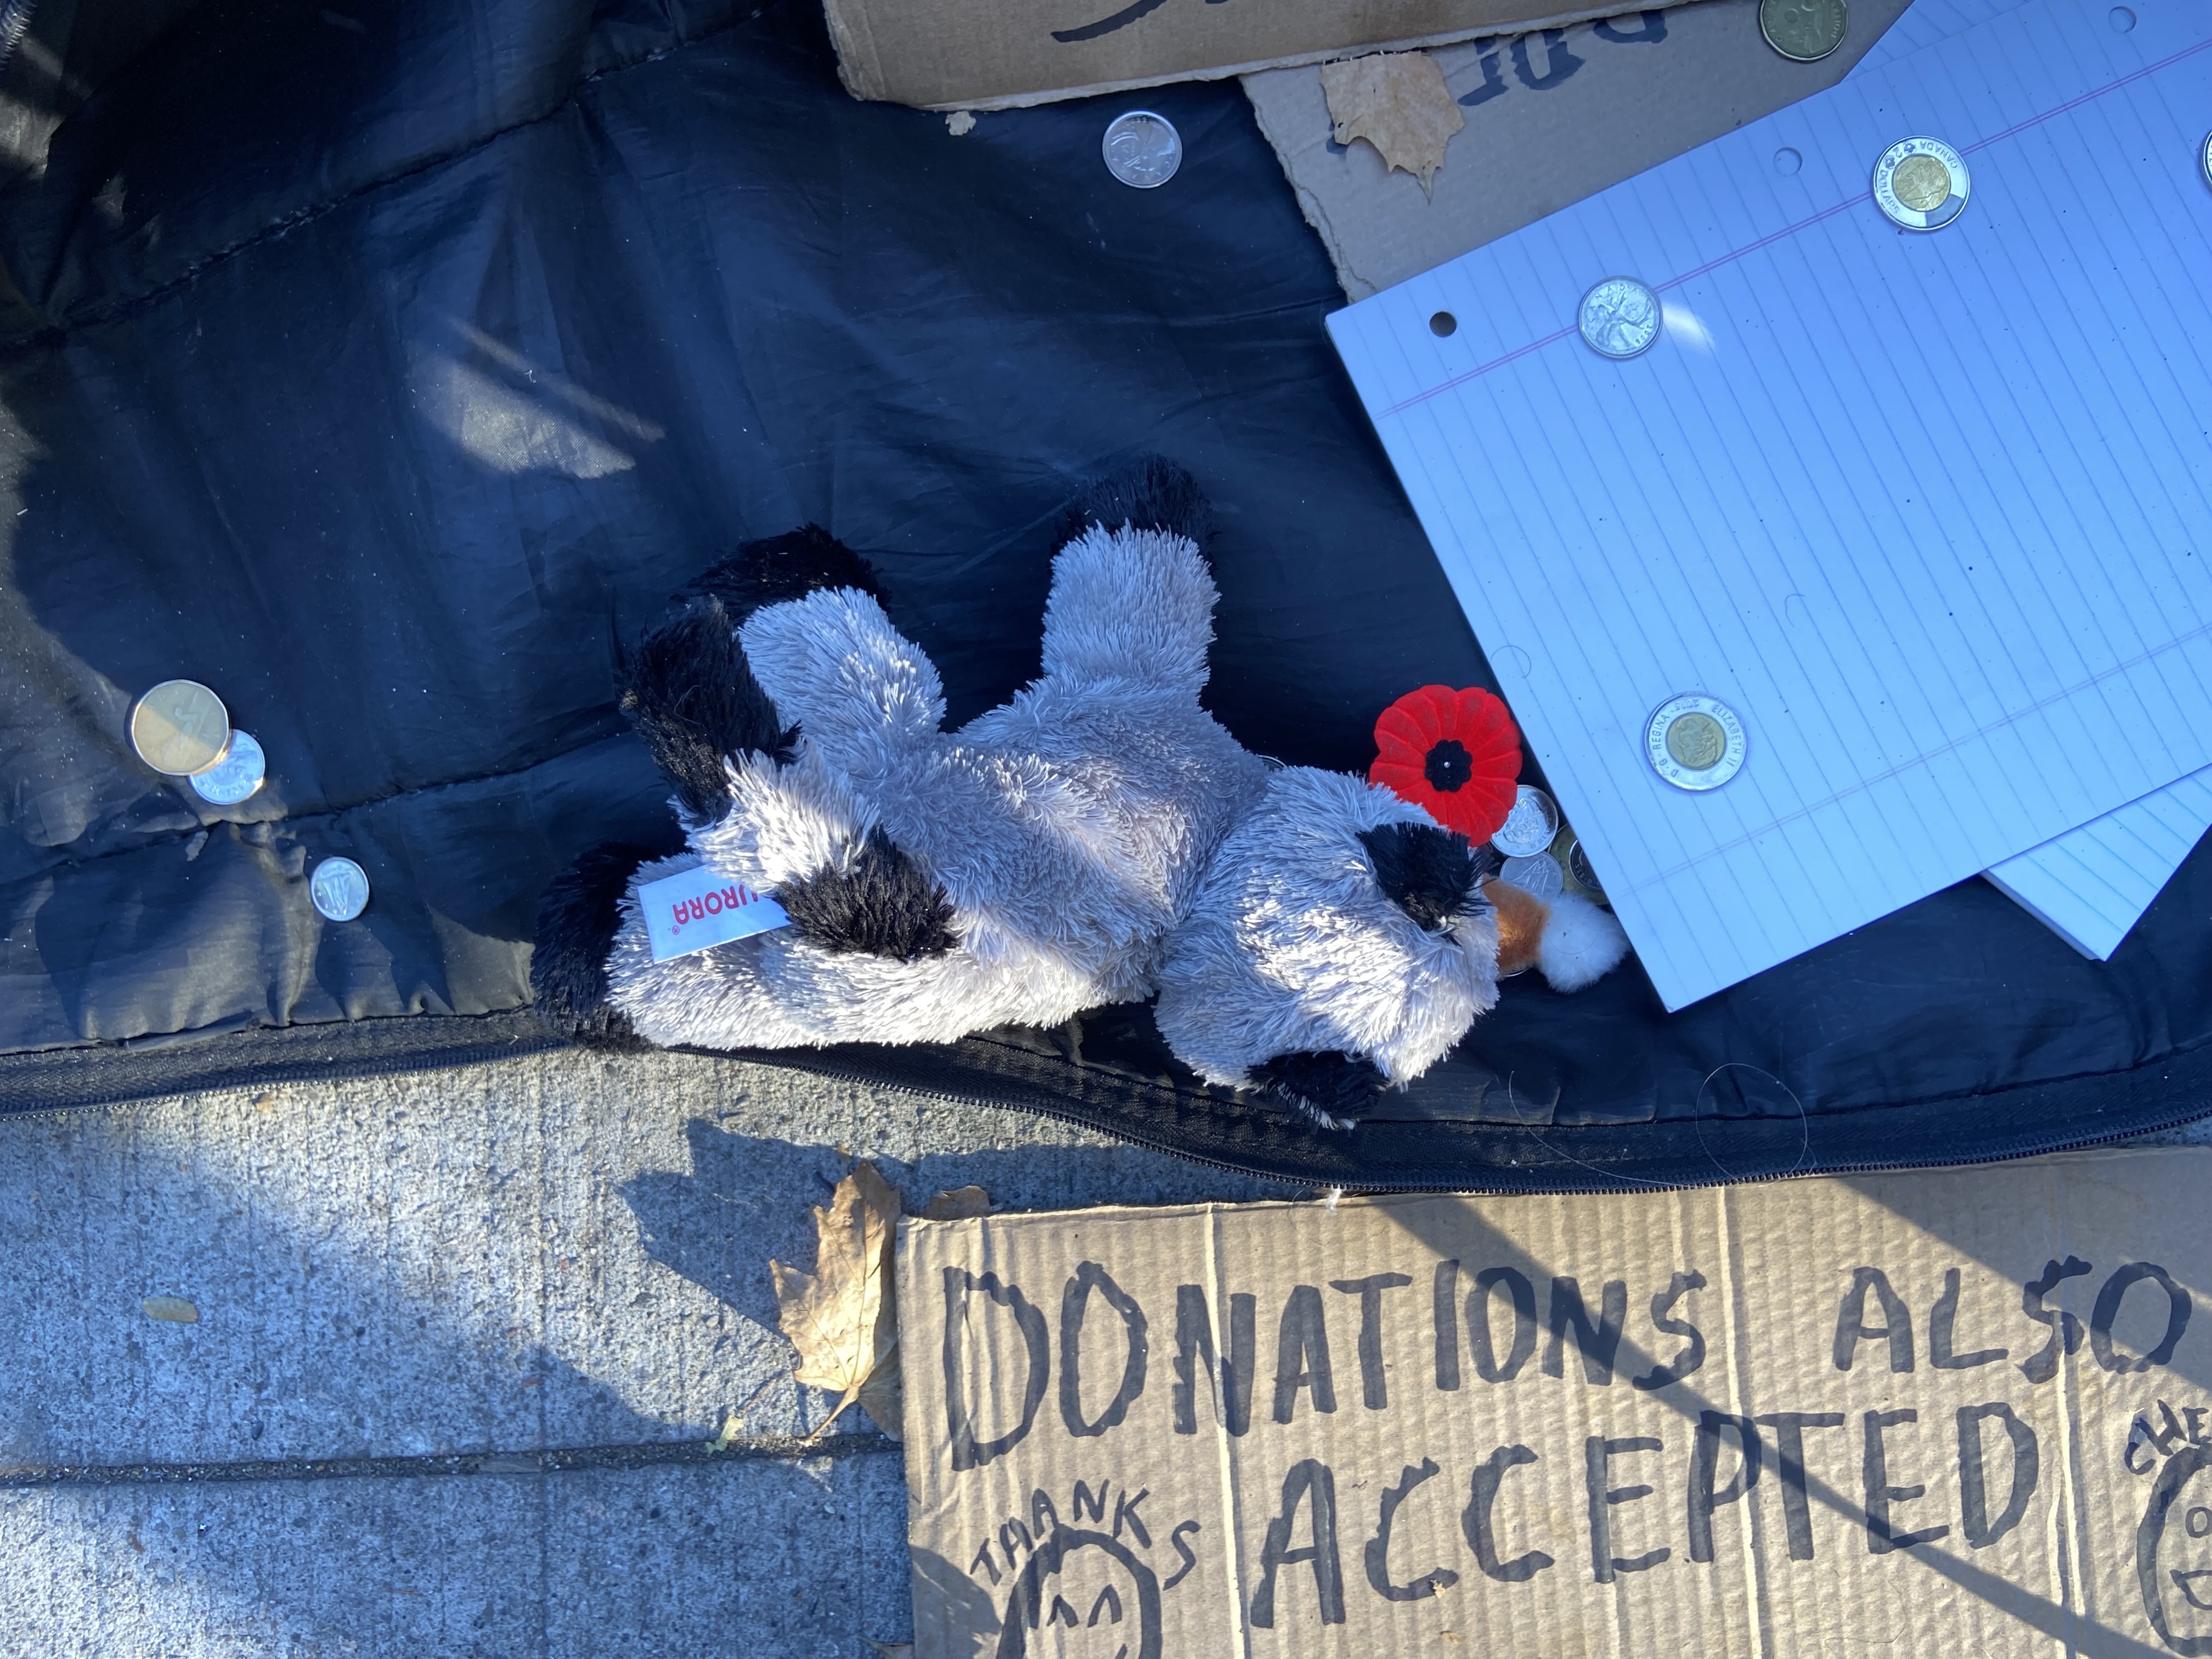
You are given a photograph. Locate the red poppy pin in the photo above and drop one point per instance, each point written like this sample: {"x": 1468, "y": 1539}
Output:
{"x": 1456, "y": 754}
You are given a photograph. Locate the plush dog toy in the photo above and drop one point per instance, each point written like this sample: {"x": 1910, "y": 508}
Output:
{"x": 1097, "y": 838}
{"x": 1341, "y": 943}
{"x": 1018, "y": 871}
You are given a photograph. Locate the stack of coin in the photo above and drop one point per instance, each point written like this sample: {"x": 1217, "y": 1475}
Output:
{"x": 1538, "y": 874}
{"x": 181, "y": 730}
{"x": 236, "y": 775}
{"x": 1575, "y": 865}
{"x": 1530, "y": 825}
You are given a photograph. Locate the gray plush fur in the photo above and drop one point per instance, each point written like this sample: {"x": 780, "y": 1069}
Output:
{"x": 1293, "y": 947}
{"x": 1068, "y": 829}
{"x": 1295, "y": 951}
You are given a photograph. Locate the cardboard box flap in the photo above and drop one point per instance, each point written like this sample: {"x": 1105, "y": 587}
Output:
{"x": 982, "y": 54}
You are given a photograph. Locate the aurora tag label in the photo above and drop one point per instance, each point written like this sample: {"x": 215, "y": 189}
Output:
{"x": 699, "y": 909}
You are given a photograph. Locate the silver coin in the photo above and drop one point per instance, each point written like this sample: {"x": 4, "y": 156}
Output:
{"x": 2205, "y": 158}
{"x": 1539, "y": 875}
{"x": 1529, "y": 826}
{"x": 236, "y": 775}
{"x": 1921, "y": 184}
{"x": 339, "y": 888}
{"x": 1142, "y": 149}
{"x": 1619, "y": 317}
{"x": 1694, "y": 742}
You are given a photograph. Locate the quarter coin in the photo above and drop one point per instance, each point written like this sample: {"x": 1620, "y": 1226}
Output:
{"x": 1539, "y": 875}
{"x": 179, "y": 727}
{"x": 1694, "y": 742}
{"x": 1921, "y": 184}
{"x": 236, "y": 775}
{"x": 1529, "y": 826}
{"x": 1143, "y": 150}
{"x": 1805, "y": 31}
{"x": 339, "y": 888}
{"x": 1619, "y": 317}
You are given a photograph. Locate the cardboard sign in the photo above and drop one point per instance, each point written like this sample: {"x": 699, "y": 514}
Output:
{"x": 699, "y": 908}
{"x": 1550, "y": 117}
{"x": 986, "y": 54}
{"x": 1945, "y": 1413}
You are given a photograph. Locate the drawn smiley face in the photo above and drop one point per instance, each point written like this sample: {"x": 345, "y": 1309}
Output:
{"x": 1082, "y": 1596}
{"x": 2174, "y": 1552}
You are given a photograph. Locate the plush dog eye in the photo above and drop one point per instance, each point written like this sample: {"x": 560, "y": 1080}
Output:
{"x": 1432, "y": 875}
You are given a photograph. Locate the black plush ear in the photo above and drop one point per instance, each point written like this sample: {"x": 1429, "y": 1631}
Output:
{"x": 787, "y": 567}
{"x": 1332, "y": 1088}
{"x": 692, "y": 695}
{"x": 1433, "y": 875}
{"x": 577, "y": 920}
{"x": 883, "y": 905}
{"x": 1152, "y": 493}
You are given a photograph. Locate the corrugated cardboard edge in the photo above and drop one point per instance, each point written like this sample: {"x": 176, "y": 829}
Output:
{"x": 1285, "y": 133}
{"x": 861, "y": 71}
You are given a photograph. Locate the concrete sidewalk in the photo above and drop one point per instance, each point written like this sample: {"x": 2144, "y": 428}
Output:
{"x": 461, "y": 1341}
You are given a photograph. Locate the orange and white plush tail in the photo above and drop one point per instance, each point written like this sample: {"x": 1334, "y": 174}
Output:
{"x": 1568, "y": 939}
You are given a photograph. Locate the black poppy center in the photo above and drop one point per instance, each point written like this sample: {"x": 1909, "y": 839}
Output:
{"x": 1448, "y": 766}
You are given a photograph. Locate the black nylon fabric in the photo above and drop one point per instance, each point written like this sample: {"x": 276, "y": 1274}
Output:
{"x": 383, "y": 366}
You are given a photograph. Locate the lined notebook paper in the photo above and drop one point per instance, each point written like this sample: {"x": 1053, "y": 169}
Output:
{"x": 1923, "y": 509}
{"x": 2089, "y": 885}
{"x": 1925, "y": 23}
{"x": 2092, "y": 884}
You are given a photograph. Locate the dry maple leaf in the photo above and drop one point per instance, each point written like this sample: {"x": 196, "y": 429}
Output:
{"x": 840, "y": 1317}
{"x": 1398, "y": 103}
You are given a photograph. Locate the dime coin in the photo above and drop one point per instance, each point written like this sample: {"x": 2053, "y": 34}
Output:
{"x": 1921, "y": 184}
{"x": 1539, "y": 875}
{"x": 1529, "y": 827}
{"x": 1619, "y": 318}
{"x": 340, "y": 888}
{"x": 1804, "y": 30}
{"x": 1694, "y": 742}
{"x": 1143, "y": 150}
{"x": 236, "y": 775}
{"x": 179, "y": 727}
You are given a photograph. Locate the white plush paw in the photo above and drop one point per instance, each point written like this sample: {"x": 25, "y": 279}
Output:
{"x": 1581, "y": 944}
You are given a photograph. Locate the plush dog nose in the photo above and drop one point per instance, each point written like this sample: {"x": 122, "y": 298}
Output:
{"x": 1433, "y": 875}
